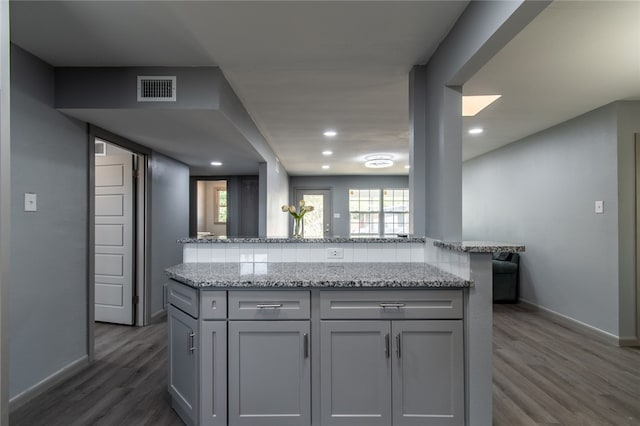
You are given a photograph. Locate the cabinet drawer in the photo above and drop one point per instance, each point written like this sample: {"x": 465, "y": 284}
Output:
{"x": 268, "y": 305}
{"x": 183, "y": 297}
{"x": 403, "y": 304}
{"x": 213, "y": 305}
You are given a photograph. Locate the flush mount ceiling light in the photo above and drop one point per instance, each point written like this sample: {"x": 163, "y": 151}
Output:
{"x": 325, "y": 166}
{"x": 471, "y": 105}
{"x": 327, "y": 153}
{"x": 378, "y": 161}
{"x": 216, "y": 163}
{"x": 476, "y": 130}
{"x": 330, "y": 133}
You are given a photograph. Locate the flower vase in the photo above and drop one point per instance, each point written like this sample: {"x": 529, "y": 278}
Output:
{"x": 297, "y": 227}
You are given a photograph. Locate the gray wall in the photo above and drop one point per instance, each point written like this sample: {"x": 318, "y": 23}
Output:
{"x": 169, "y": 220}
{"x": 115, "y": 87}
{"x": 5, "y": 209}
{"x": 435, "y": 104}
{"x": 48, "y": 293}
{"x": 340, "y": 186}
{"x": 274, "y": 180}
{"x": 628, "y": 127}
{"x": 540, "y": 191}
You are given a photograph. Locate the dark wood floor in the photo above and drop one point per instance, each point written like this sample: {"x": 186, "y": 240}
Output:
{"x": 544, "y": 374}
{"x": 126, "y": 386}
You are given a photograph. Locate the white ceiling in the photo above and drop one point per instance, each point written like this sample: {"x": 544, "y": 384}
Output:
{"x": 574, "y": 57}
{"x": 301, "y": 67}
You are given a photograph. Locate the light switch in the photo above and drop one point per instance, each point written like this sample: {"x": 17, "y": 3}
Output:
{"x": 336, "y": 215}
{"x": 599, "y": 207}
{"x": 30, "y": 202}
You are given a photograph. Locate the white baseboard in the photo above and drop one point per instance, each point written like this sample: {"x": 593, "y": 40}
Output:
{"x": 48, "y": 382}
{"x": 575, "y": 325}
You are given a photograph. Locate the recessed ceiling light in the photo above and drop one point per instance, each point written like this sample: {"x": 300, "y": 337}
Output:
{"x": 327, "y": 153}
{"x": 476, "y": 130}
{"x": 325, "y": 166}
{"x": 471, "y": 105}
{"x": 378, "y": 161}
{"x": 216, "y": 163}
{"x": 330, "y": 133}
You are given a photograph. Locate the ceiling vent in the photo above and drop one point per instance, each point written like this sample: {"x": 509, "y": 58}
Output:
{"x": 156, "y": 88}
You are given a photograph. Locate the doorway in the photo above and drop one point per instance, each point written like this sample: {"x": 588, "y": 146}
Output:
{"x": 114, "y": 234}
{"x": 119, "y": 188}
{"x": 212, "y": 208}
{"x": 318, "y": 223}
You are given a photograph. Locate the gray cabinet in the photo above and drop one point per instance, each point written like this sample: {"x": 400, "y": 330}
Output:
{"x": 427, "y": 373}
{"x": 269, "y": 373}
{"x": 391, "y": 358}
{"x": 383, "y": 357}
{"x": 213, "y": 373}
{"x": 361, "y": 362}
{"x": 355, "y": 369}
{"x": 183, "y": 383}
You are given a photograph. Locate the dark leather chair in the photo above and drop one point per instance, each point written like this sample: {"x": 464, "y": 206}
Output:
{"x": 505, "y": 277}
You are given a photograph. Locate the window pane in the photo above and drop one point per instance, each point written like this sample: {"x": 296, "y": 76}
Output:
{"x": 365, "y": 206}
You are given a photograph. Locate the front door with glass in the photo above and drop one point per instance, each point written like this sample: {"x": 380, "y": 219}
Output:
{"x": 317, "y": 223}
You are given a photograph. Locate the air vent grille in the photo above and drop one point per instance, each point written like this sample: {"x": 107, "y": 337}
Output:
{"x": 101, "y": 149}
{"x": 156, "y": 88}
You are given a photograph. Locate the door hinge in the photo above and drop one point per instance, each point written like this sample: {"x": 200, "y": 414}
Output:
{"x": 136, "y": 300}
{"x": 136, "y": 174}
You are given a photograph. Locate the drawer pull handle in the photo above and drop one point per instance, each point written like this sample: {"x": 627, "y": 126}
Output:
{"x": 269, "y": 305}
{"x": 392, "y": 305}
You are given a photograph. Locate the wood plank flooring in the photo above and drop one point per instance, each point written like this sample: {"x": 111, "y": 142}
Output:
{"x": 544, "y": 374}
{"x": 126, "y": 386}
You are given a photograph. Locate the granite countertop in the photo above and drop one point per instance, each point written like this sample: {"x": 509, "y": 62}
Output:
{"x": 314, "y": 275}
{"x": 480, "y": 246}
{"x": 335, "y": 240}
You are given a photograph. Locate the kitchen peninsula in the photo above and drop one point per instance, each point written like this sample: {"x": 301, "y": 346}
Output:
{"x": 326, "y": 332}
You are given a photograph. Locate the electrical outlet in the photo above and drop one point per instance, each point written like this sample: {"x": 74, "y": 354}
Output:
{"x": 335, "y": 253}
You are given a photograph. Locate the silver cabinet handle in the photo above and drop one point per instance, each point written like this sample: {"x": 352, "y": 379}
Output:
{"x": 191, "y": 341}
{"x": 398, "y": 345}
{"x": 392, "y": 305}
{"x": 305, "y": 343}
{"x": 269, "y": 305}
{"x": 387, "y": 345}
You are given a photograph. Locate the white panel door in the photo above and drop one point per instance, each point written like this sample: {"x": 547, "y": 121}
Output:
{"x": 114, "y": 239}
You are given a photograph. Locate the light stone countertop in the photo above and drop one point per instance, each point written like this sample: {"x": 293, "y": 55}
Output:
{"x": 480, "y": 246}
{"x": 314, "y": 275}
{"x": 334, "y": 240}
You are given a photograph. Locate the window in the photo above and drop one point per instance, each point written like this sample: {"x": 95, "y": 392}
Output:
{"x": 378, "y": 212}
{"x": 221, "y": 206}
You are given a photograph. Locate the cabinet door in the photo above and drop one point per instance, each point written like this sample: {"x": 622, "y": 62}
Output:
{"x": 355, "y": 373}
{"x": 269, "y": 373}
{"x": 182, "y": 363}
{"x": 213, "y": 373}
{"x": 428, "y": 373}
